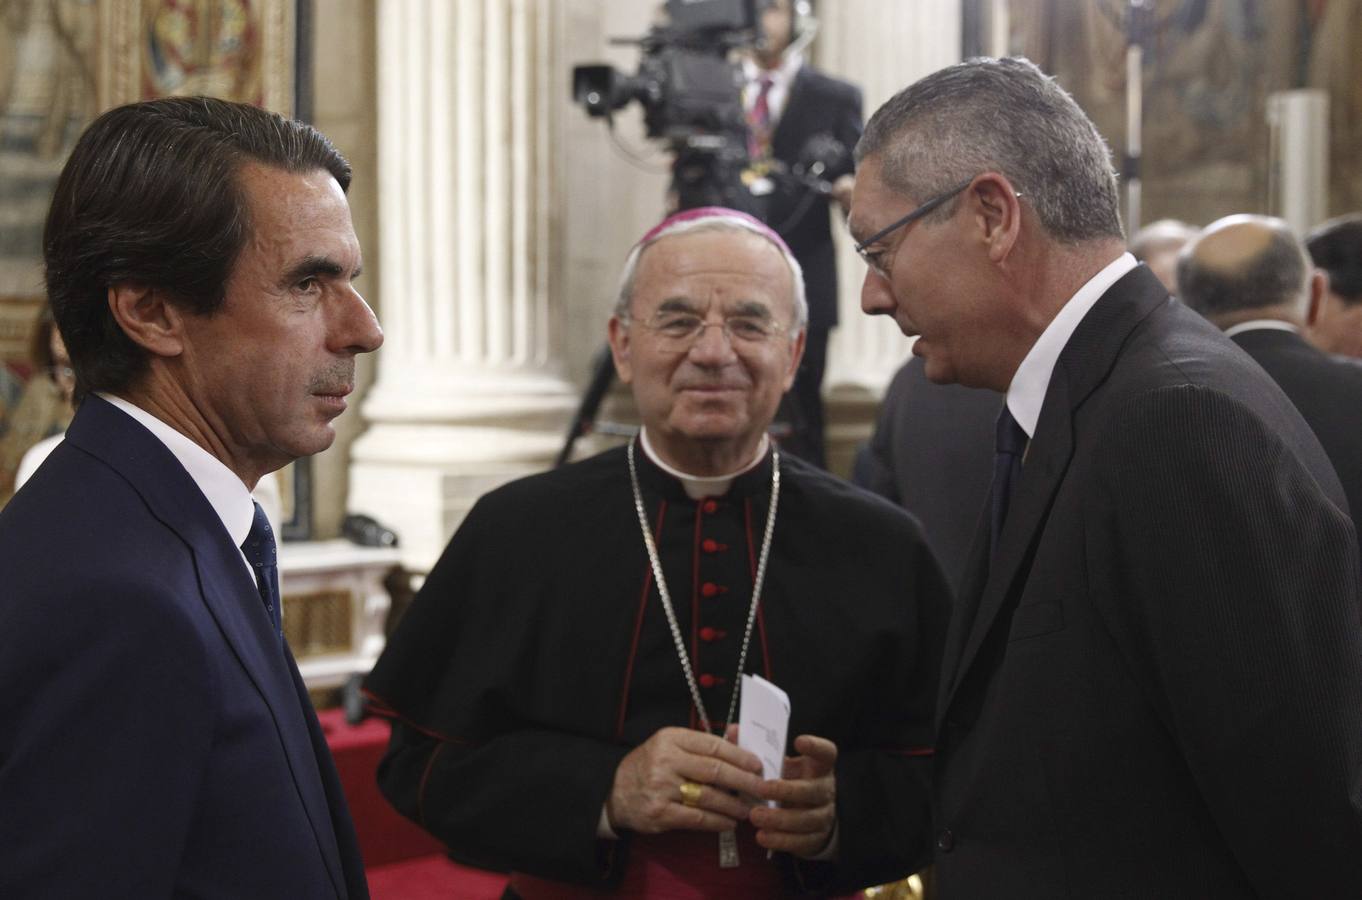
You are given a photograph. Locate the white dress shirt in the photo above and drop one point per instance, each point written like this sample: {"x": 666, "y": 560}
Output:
{"x": 782, "y": 79}
{"x": 1261, "y": 325}
{"x": 1026, "y": 394}
{"x": 224, "y": 491}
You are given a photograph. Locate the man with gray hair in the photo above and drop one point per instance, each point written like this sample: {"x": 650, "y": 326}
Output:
{"x": 1153, "y": 676}
{"x": 1250, "y": 276}
{"x": 565, "y": 686}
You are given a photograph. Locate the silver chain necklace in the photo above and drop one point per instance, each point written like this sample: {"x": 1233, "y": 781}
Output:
{"x": 728, "y": 842}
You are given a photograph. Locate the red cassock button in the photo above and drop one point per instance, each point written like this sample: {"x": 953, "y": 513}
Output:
{"x": 710, "y": 506}
{"x": 708, "y": 634}
{"x": 709, "y": 545}
{"x": 708, "y": 681}
{"x": 709, "y": 589}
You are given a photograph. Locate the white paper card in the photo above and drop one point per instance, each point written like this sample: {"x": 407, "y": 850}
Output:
{"x": 763, "y": 723}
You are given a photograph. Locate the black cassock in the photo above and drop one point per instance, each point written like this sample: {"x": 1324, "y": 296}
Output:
{"x": 537, "y": 654}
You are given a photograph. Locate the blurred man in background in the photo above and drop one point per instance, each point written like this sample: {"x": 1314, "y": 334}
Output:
{"x": 1157, "y": 245}
{"x": 1335, "y": 324}
{"x": 802, "y": 119}
{"x": 1250, "y": 276}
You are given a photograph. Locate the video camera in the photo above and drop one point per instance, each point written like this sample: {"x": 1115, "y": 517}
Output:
{"x": 691, "y": 93}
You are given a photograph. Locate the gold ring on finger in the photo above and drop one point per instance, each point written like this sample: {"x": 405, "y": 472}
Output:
{"x": 690, "y": 793}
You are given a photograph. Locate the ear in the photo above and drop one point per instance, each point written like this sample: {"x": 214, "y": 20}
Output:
{"x": 796, "y": 355}
{"x": 147, "y": 316}
{"x": 997, "y": 213}
{"x": 1319, "y": 285}
{"x": 619, "y": 348}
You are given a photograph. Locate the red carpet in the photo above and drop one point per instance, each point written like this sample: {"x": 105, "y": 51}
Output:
{"x": 433, "y": 878}
{"x": 402, "y": 861}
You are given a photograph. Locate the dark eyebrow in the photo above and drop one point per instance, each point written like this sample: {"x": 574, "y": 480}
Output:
{"x": 676, "y": 304}
{"x": 750, "y": 308}
{"x": 311, "y": 266}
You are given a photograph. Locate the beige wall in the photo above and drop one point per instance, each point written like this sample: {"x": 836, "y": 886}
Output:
{"x": 343, "y": 109}
{"x": 607, "y": 201}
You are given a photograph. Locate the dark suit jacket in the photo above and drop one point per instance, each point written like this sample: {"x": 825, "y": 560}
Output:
{"x": 1328, "y": 392}
{"x": 932, "y": 453}
{"x": 817, "y": 104}
{"x": 155, "y": 738}
{"x": 1156, "y": 690}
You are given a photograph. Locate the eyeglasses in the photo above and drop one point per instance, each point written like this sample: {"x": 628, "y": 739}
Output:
{"x": 679, "y": 331}
{"x": 872, "y": 259}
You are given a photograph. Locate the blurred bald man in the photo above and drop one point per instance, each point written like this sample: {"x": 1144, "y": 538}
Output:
{"x": 1157, "y": 246}
{"x": 1251, "y": 276}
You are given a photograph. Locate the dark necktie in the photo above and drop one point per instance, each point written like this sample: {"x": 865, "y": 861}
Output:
{"x": 1007, "y": 466}
{"x": 261, "y": 554}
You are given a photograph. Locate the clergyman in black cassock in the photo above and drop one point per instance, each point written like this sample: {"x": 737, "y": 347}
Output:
{"x": 537, "y": 659}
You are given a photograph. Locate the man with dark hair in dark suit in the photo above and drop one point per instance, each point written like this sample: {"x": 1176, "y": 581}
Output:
{"x": 1152, "y": 682}
{"x": 155, "y": 737}
{"x": 797, "y": 116}
{"x": 1335, "y": 323}
{"x": 1250, "y": 276}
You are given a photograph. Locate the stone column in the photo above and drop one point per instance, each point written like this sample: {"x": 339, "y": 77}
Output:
{"x": 883, "y": 47}
{"x": 470, "y": 390}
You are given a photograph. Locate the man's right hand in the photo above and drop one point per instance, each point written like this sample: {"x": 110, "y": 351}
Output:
{"x": 646, "y": 796}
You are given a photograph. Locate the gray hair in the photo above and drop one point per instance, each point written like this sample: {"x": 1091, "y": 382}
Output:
{"x": 1274, "y": 276}
{"x": 1004, "y": 116}
{"x": 730, "y": 222}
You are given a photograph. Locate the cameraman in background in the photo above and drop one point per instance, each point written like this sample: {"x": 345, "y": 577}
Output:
{"x": 769, "y": 136}
{"x": 801, "y": 122}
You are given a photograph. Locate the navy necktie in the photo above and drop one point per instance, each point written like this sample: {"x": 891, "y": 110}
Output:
{"x": 261, "y": 554}
{"x": 1010, "y": 446}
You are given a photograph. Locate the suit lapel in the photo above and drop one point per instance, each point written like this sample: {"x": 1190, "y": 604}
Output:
{"x": 1047, "y": 459}
{"x": 338, "y": 811}
{"x": 232, "y": 598}
{"x": 1085, "y": 362}
{"x": 227, "y": 588}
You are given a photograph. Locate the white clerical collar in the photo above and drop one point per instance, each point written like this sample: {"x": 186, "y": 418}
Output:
{"x": 1026, "y": 394}
{"x": 1261, "y": 325}
{"x": 224, "y": 491}
{"x": 698, "y": 486}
